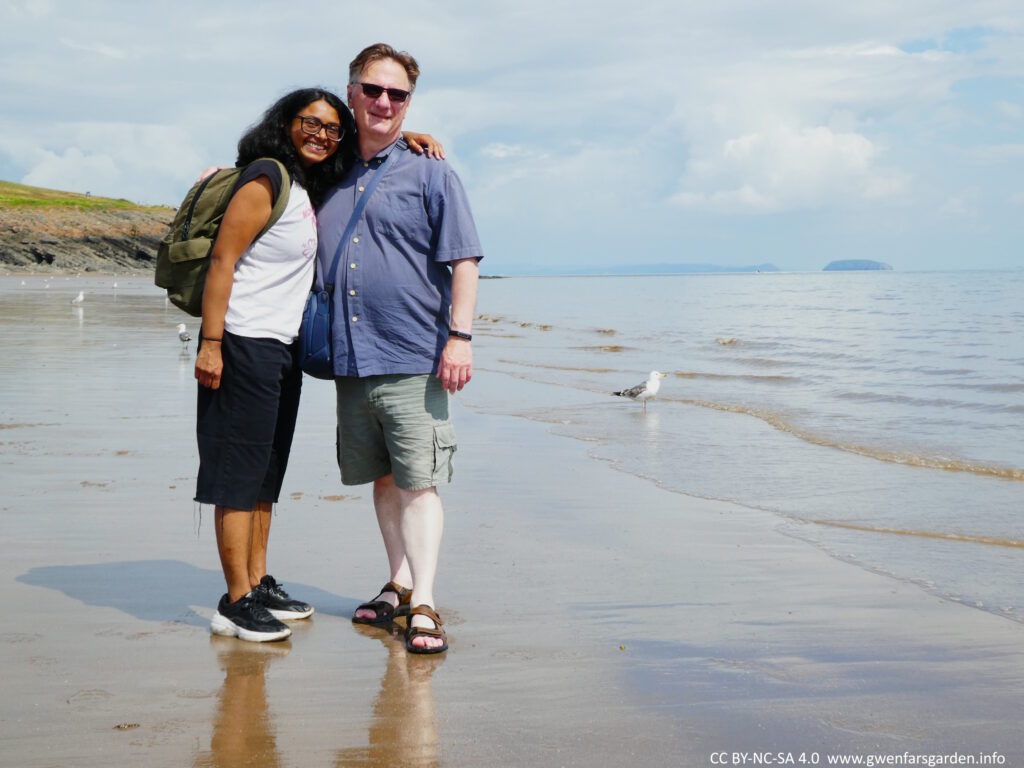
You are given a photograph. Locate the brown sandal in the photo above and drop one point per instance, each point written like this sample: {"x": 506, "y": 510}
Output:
{"x": 385, "y": 611}
{"x": 438, "y": 631}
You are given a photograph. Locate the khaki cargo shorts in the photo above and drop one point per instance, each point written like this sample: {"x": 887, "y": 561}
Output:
{"x": 395, "y": 424}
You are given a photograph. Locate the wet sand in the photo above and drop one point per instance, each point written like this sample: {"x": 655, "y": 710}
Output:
{"x": 594, "y": 618}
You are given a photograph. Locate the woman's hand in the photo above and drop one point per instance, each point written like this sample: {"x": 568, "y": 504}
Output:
{"x": 421, "y": 143}
{"x": 208, "y": 171}
{"x": 209, "y": 364}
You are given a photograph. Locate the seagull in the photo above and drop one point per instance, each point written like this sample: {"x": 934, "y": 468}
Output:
{"x": 644, "y": 392}
{"x": 79, "y": 298}
{"x": 183, "y": 336}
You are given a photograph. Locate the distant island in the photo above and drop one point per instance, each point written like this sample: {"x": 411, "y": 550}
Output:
{"x": 853, "y": 265}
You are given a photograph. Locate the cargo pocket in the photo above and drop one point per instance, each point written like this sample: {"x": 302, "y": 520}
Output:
{"x": 444, "y": 449}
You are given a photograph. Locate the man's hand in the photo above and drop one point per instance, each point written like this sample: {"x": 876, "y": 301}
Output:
{"x": 456, "y": 367}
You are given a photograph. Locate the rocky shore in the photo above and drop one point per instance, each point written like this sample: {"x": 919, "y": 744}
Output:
{"x": 58, "y": 239}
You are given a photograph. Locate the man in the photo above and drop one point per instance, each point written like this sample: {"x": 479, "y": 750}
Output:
{"x": 404, "y": 300}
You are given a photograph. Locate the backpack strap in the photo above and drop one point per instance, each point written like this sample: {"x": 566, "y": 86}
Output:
{"x": 354, "y": 219}
{"x": 281, "y": 203}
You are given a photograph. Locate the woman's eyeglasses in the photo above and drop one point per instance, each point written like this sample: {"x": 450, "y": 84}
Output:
{"x": 313, "y": 126}
{"x": 374, "y": 91}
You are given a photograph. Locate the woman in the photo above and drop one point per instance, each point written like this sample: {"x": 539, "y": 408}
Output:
{"x": 248, "y": 373}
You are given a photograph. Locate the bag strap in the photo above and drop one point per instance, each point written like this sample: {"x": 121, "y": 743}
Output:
{"x": 354, "y": 219}
{"x": 277, "y": 210}
{"x": 281, "y": 203}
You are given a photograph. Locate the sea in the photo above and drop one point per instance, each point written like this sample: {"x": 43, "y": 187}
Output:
{"x": 877, "y": 415}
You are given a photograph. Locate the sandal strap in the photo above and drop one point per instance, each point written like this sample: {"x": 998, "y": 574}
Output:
{"x": 404, "y": 593}
{"x": 383, "y": 608}
{"x": 430, "y": 613}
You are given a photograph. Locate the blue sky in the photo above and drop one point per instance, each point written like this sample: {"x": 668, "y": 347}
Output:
{"x": 588, "y": 134}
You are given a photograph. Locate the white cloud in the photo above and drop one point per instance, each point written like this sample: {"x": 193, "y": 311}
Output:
{"x": 998, "y": 153}
{"x": 786, "y": 168}
{"x": 964, "y": 204}
{"x": 112, "y": 159}
{"x": 35, "y": 9}
{"x": 74, "y": 170}
{"x": 591, "y": 121}
{"x": 1010, "y": 109}
{"x": 499, "y": 151}
{"x": 107, "y": 51}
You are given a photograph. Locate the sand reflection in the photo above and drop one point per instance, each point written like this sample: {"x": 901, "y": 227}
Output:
{"x": 404, "y": 728}
{"x": 242, "y": 733}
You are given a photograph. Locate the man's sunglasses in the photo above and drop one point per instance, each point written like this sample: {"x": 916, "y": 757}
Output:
{"x": 313, "y": 126}
{"x": 374, "y": 91}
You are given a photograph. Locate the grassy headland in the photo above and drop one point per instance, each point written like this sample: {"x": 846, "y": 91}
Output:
{"x": 51, "y": 230}
{"x": 21, "y": 195}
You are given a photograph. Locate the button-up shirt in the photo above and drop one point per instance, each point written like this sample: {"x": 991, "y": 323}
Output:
{"x": 392, "y": 289}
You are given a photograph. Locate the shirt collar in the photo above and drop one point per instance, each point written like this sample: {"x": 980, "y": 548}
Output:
{"x": 381, "y": 156}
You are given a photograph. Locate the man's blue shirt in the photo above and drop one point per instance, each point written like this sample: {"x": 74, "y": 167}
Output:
{"x": 392, "y": 290}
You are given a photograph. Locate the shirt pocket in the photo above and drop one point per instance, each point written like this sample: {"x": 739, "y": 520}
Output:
{"x": 403, "y": 217}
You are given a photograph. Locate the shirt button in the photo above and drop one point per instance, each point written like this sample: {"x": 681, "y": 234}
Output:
{"x": 352, "y": 292}
{"x": 352, "y": 265}
{"x": 366, "y": 165}
{"x": 362, "y": 188}
{"x": 355, "y": 239}
{"x": 355, "y": 319}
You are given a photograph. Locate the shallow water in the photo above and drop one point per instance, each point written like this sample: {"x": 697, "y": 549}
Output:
{"x": 668, "y": 642}
{"x": 877, "y": 414}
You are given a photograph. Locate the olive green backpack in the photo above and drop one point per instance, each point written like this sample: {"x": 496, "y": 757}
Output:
{"x": 183, "y": 257}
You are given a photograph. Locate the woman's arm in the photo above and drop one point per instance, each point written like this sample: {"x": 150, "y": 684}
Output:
{"x": 424, "y": 142}
{"x": 247, "y": 214}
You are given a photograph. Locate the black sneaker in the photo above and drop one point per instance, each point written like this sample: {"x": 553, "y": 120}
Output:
{"x": 247, "y": 619}
{"x": 278, "y": 602}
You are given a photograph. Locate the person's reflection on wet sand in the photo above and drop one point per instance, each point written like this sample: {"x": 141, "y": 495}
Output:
{"x": 404, "y": 728}
{"x": 242, "y": 734}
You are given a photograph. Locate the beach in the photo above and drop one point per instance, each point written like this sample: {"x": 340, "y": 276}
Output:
{"x": 597, "y": 617}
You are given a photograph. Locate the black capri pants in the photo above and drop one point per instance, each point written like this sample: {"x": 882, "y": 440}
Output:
{"x": 245, "y": 428}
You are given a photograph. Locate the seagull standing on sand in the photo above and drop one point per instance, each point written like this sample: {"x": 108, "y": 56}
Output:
{"x": 183, "y": 336}
{"x": 644, "y": 392}
{"x": 79, "y": 298}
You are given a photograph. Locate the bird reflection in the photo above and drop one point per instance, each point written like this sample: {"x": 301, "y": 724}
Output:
{"x": 242, "y": 734}
{"x": 404, "y": 728}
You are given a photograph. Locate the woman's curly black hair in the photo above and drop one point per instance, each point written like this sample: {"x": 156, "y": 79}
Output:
{"x": 271, "y": 137}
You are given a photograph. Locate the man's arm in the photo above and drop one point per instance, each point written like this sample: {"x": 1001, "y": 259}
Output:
{"x": 456, "y": 366}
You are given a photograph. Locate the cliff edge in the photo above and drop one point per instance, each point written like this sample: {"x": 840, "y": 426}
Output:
{"x": 44, "y": 230}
